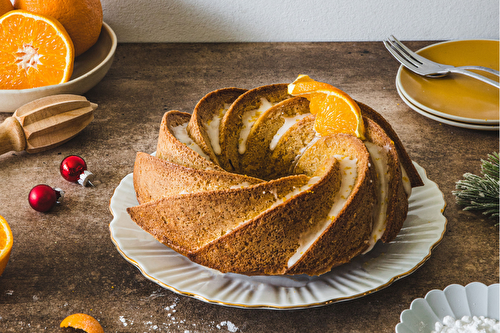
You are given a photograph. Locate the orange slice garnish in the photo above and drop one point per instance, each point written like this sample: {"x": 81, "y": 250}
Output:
{"x": 6, "y": 241}
{"x": 336, "y": 111}
{"x": 82, "y": 321}
{"x": 35, "y": 51}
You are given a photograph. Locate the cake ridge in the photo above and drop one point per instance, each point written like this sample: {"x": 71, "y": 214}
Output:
{"x": 232, "y": 122}
{"x": 186, "y": 221}
{"x": 275, "y": 234}
{"x": 155, "y": 178}
{"x": 262, "y": 133}
{"x": 170, "y": 148}
{"x": 205, "y": 110}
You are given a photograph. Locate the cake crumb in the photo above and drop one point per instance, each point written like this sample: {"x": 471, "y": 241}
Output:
{"x": 230, "y": 326}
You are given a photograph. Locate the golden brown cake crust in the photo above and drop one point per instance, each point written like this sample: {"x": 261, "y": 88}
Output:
{"x": 253, "y": 161}
{"x": 263, "y": 246}
{"x": 204, "y": 112}
{"x": 232, "y": 122}
{"x": 405, "y": 159}
{"x": 348, "y": 234}
{"x": 187, "y": 222}
{"x": 169, "y": 148}
{"x": 397, "y": 202}
{"x": 289, "y": 146}
{"x": 155, "y": 178}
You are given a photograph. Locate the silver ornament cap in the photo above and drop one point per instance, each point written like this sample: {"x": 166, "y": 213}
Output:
{"x": 86, "y": 177}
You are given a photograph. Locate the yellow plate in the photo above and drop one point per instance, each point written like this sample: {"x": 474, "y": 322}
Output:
{"x": 456, "y": 97}
{"x": 450, "y": 122}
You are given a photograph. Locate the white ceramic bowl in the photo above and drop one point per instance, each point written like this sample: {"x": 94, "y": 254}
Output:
{"x": 90, "y": 67}
{"x": 475, "y": 299}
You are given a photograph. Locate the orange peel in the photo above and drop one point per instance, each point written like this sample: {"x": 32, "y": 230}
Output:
{"x": 82, "y": 19}
{"x": 82, "y": 321}
{"x": 6, "y": 241}
{"x": 5, "y": 6}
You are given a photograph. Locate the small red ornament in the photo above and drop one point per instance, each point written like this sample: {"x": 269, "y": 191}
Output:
{"x": 43, "y": 197}
{"x": 74, "y": 169}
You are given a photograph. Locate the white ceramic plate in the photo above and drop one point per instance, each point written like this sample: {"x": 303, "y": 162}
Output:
{"x": 456, "y": 97}
{"x": 89, "y": 68}
{"x": 444, "y": 120}
{"x": 475, "y": 299}
{"x": 421, "y": 232}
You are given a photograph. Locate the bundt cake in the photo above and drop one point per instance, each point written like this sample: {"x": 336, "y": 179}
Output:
{"x": 244, "y": 185}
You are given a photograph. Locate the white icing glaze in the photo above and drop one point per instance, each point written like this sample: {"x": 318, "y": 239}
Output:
{"x": 301, "y": 152}
{"x": 180, "y": 132}
{"x": 349, "y": 174}
{"x": 289, "y": 122}
{"x": 248, "y": 119}
{"x": 212, "y": 127}
{"x": 379, "y": 158}
{"x": 295, "y": 191}
{"x": 406, "y": 181}
{"x": 242, "y": 185}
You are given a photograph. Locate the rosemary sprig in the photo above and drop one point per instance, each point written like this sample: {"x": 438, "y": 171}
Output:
{"x": 481, "y": 193}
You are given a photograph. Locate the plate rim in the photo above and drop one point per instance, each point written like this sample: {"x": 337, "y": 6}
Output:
{"x": 286, "y": 307}
{"x": 449, "y": 122}
{"x": 434, "y": 111}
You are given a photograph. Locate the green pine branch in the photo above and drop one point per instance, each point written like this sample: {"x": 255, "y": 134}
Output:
{"x": 481, "y": 193}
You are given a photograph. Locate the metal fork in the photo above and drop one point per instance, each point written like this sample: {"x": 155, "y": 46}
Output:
{"x": 428, "y": 68}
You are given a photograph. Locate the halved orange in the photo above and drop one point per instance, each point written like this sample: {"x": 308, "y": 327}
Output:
{"x": 6, "y": 241}
{"x": 35, "y": 51}
{"x": 336, "y": 111}
{"x": 82, "y": 321}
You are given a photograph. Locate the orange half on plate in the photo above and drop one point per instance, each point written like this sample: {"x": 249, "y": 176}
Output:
{"x": 35, "y": 51}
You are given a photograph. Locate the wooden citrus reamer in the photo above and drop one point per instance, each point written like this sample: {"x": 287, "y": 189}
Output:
{"x": 45, "y": 123}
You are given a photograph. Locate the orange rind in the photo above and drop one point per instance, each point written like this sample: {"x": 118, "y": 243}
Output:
{"x": 5, "y": 6}
{"x": 6, "y": 241}
{"x": 82, "y": 19}
{"x": 83, "y": 322}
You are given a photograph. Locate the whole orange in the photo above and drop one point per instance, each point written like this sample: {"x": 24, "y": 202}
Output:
{"x": 82, "y": 19}
{"x": 5, "y": 6}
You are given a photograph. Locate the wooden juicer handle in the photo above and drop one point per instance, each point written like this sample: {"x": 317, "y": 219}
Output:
{"x": 45, "y": 123}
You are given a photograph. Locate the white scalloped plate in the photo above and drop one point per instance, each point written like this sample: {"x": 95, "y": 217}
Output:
{"x": 421, "y": 232}
{"x": 475, "y": 299}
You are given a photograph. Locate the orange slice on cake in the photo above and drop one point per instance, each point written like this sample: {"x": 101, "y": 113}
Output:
{"x": 35, "y": 51}
{"x": 336, "y": 111}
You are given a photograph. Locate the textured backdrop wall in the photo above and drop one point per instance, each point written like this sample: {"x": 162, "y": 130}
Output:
{"x": 300, "y": 20}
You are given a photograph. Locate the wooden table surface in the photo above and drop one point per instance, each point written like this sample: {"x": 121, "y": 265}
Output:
{"x": 64, "y": 261}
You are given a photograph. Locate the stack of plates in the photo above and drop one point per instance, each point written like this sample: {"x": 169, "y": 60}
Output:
{"x": 456, "y": 99}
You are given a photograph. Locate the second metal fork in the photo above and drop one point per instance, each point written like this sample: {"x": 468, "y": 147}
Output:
{"x": 426, "y": 67}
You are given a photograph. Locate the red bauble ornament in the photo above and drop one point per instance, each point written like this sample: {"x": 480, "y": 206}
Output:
{"x": 43, "y": 197}
{"x": 74, "y": 169}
